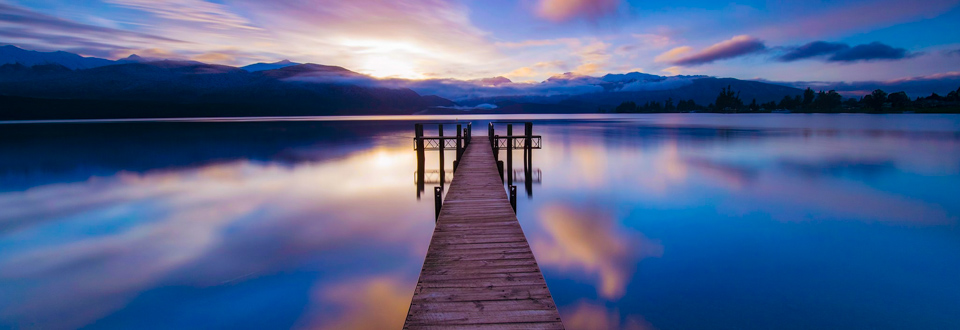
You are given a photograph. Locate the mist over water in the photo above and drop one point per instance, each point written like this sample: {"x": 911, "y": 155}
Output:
{"x": 659, "y": 221}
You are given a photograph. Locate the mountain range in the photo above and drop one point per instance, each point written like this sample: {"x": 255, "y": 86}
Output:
{"x": 60, "y": 85}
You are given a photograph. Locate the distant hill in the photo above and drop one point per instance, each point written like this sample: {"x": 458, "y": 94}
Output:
{"x": 12, "y": 54}
{"x": 268, "y": 66}
{"x": 702, "y": 90}
{"x": 226, "y": 90}
{"x": 137, "y": 86}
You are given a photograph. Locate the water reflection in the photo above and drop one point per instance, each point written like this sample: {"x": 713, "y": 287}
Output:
{"x": 587, "y": 239}
{"x": 587, "y": 316}
{"x": 705, "y": 222}
{"x": 662, "y": 221}
{"x": 373, "y": 303}
{"x": 270, "y": 242}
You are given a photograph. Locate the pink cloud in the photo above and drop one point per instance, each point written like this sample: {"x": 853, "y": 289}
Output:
{"x": 565, "y": 10}
{"x": 734, "y": 47}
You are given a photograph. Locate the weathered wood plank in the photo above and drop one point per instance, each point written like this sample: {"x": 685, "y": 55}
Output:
{"x": 479, "y": 272}
{"x": 482, "y": 306}
{"x": 496, "y": 326}
{"x": 450, "y": 317}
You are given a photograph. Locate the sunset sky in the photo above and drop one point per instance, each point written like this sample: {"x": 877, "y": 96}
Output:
{"x": 523, "y": 40}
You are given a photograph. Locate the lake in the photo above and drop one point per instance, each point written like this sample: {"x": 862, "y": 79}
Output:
{"x": 672, "y": 221}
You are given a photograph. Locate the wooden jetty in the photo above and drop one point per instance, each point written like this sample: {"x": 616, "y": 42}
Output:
{"x": 479, "y": 272}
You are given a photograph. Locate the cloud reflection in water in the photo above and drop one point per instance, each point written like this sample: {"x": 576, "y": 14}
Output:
{"x": 80, "y": 251}
{"x": 591, "y": 241}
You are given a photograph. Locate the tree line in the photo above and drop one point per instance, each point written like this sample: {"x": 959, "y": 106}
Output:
{"x": 877, "y": 101}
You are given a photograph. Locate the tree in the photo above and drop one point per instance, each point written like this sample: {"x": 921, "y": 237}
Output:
{"x": 626, "y": 107}
{"x": 787, "y": 103}
{"x": 668, "y": 105}
{"x": 866, "y": 101}
{"x": 754, "y": 106}
{"x": 899, "y": 100}
{"x": 851, "y": 103}
{"x": 953, "y": 96}
{"x": 688, "y": 105}
{"x": 828, "y": 101}
{"x": 652, "y": 107}
{"x": 808, "y": 97}
{"x": 877, "y": 99}
{"x": 728, "y": 100}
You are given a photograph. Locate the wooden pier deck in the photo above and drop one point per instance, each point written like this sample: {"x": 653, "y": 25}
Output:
{"x": 479, "y": 272}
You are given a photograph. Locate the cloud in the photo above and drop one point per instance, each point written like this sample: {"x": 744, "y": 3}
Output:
{"x": 45, "y": 32}
{"x": 377, "y": 37}
{"x": 589, "y": 55}
{"x": 210, "y": 14}
{"x": 214, "y": 57}
{"x": 841, "y": 52}
{"x": 673, "y": 54}
{"x": 570, "y": 42}
{"x": 566, "y": 10}
{"x": 653, "y": 40}
{"x": 845, "y": 19}
{"x": 869, "y": 52}
{"x": 735, "y": 47}
{"x": 813, "y": 49}
{"x": 674, "y": 70}
{"x": 587, "y": 69}
{"x": 425, "y": 35}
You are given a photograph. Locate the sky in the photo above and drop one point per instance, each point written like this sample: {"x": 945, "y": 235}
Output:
{"x": 523, "y": 40}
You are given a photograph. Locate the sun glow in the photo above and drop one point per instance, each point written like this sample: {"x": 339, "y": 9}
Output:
{"x": 384, "y": 66}
{"x": 387, "y": 58}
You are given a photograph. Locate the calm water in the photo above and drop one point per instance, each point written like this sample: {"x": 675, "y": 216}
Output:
{"x": 641, "y": 222}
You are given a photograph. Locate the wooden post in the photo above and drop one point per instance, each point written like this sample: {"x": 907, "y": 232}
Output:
{"x": 438, "y": 201}
{"x": 528, "y": 157}
{"x": 469, "y": 132}
{"x": 496, "y": 147}
{"x": 442, "y": 170}
{"x": 513, "y": 198}
{"x": 421, "y": 158}
{"x": 490, "y": 135}
{"x": 510, "y": 154}
{"x": 528, "y": 141}
{"x": 500, "y": 169}
{"x": 459, "y": 146}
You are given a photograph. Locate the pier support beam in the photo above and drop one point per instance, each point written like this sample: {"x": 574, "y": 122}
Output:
{"x": 510, "y": 154}
{"x": 421, "y": 158}
{"x": 442, "y": 169}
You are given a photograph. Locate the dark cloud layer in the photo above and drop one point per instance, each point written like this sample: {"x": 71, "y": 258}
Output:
{"x": 841, "y": 52}
{"x": 813, "y": 49}
{"x": 868, "y": 52}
